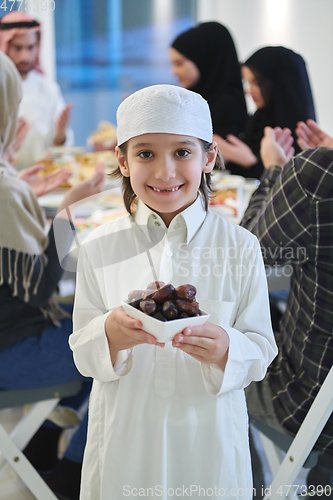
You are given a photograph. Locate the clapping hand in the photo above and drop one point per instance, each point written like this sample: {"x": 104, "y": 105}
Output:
{"x": 208, "y": 343}
{"x": 235, "y": 150}
{"x": 45, "y": 184}
{"x": 311, "y": 136}
{"x": 60, "y": 132}
{"x": 276, "y": 147}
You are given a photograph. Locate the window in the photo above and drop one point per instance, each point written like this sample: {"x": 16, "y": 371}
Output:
{"x": 107, "y": 49}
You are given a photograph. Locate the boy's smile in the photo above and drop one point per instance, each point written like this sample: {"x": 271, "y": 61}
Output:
{"x": 165, "y": 170}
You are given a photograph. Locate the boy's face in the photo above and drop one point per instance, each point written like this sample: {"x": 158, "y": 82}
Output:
{"x": 165, "y": 170}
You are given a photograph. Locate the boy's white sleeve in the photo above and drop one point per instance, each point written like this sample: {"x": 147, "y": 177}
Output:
{"x": 88, "y": 340}
{"x": 252, "y": 344}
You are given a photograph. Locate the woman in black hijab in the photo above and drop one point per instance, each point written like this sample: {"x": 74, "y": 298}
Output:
{"x": 204, "y": 60}
{"x": 280, "y": 87}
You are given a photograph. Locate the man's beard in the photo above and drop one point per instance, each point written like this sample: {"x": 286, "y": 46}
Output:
{"x": 24, "y": 68}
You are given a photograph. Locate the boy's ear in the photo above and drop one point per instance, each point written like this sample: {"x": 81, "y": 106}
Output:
{"x": 122, "y": 162}
{"x": 210, "y": 158}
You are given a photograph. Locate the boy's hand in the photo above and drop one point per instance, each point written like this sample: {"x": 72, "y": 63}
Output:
{"x": 208, "y": 343}
{"x": 124, "y": 332}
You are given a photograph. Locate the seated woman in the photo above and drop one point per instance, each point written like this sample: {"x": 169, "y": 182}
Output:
{"x": 204, "y": 60}
{"x": 34, "y": 329}
{"x": 279, "y": 85}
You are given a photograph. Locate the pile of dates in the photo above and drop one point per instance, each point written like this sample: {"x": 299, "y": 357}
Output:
{"x": 165, "y": 302}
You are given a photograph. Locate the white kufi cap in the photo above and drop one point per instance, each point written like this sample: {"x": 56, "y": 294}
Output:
{"x": 166, "y": 109}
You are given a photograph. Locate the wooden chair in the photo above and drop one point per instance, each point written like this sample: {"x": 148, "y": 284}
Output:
{"x": 299, "y": 450}
{"x": 43, "y": 401}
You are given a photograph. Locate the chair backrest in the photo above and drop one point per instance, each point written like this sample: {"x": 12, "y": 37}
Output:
{"x": 305, "y": 439}
{"x": 45, "y": 399}
{"x": 282, "y": 441}
{"x": 19, "y": 397}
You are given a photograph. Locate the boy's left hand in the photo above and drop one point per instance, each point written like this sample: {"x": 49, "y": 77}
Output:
{"x": 208, "y": 343}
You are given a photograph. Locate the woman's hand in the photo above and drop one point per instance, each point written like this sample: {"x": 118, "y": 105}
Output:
{"x": 235, "y": 150}
{"x": 311, "y": 136}
{"x": 124, "y": 332}
{"x": 45, "y": 184}
{"x": 276, "y": 147}
{"x": 22, "y": 128}
{"x": 208, "y": 343}
{"x": 85, "y": 189}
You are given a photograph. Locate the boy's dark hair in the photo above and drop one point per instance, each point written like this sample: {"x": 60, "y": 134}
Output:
{"x": 205, "y": 188}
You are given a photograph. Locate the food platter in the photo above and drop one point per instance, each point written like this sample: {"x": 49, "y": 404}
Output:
{"x": 232, "y": 195}
{"x": 81, "y": 165}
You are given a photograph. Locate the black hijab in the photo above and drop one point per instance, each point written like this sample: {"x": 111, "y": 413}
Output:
{"x": 290, "y": 98}
{"x": 211, "y": 48}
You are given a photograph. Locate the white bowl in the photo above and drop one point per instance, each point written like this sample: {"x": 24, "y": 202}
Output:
{"x": 163, "y": 331}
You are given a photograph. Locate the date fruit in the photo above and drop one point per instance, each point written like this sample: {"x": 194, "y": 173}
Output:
{"x": 159, "y": 316}
{"x": 187, "y": 292}
{"x": 148, "y": 306}
{"x": 163, "y": 293}
{"x": 156, "y": 285}
{"x": 169, "y": 310}
{"x": 182, "y": 315}
{"x": 165, "y": 302}
{"x": 191, "y": 308}
{"x": 135, "y": 296}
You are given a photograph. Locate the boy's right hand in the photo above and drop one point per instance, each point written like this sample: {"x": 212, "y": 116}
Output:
{"x": 124, "y": 332}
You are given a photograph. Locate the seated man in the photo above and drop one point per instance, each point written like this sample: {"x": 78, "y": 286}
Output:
{"x": 42, "y": 106}
{"x": 291, "y": 214}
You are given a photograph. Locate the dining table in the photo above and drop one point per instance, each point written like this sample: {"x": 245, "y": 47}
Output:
{"x": 230, "y": 200}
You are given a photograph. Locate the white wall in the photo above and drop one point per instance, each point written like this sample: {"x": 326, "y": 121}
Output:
{"x": 47, "y": 52}
{"x": 301, "y": 25}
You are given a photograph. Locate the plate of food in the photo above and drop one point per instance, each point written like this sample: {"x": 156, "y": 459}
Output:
{"x": 104, "y": 138}
{"x": 227, "y": 200}
{"x": 81, "y": 166}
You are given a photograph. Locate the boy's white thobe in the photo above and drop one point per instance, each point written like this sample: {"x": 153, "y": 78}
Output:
{"x": 161, "y": 424}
